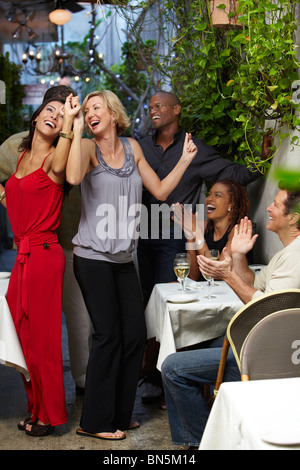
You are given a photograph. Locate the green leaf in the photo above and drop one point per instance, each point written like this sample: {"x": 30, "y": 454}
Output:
{"x": 289, "y": 178}
{"x": 241, "y": 118}
{"x": 239, "y": 37}
{"x": 213, "y": 141}
{"x": 284, "y": 83}
{"x": 200, "y": 26}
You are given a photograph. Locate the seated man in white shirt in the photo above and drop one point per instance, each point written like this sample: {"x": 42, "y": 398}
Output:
{"x": 185, "y": 373}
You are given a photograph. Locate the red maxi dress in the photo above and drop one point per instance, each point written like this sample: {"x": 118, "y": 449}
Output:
{"x": 34, "y": 295}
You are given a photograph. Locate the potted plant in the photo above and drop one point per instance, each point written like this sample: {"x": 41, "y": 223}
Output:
{"x": 224, "y": 13}
{"x": 115, "y": 2}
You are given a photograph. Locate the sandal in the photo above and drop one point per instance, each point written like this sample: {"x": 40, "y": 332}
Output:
{"x": 21, "y": 426}
{"x": 133, "y": 425}
{"x": 39, "y": 430}
{"x": 102, "y": 435}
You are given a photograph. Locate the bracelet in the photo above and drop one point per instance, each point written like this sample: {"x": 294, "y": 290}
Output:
{"x": 2, "y": 196}
{"x": 67, "y": 136}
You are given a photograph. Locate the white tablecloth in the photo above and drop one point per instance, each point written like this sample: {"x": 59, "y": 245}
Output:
{"x": 11, "y": 353}
{"x": 177, "y": 325}
{"x": 255, "y": 415}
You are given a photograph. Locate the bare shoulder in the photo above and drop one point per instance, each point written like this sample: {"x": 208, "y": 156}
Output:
{"x": 89, "y": 153}
{"x": 137, "y": 151}
{"x": 134, "y": 143}
{"x": 88, "y": 148}
{"x": 88, "y": 143}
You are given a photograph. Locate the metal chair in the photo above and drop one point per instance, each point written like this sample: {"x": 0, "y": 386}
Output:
{"x": 247, "y": 317}
{"x": 270, "y": 349}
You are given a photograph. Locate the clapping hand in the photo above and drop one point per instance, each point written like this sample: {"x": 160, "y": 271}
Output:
{"x": 243, "y": 241}
{"x": 216, "y": 269}
{"x": 186, "y": 220}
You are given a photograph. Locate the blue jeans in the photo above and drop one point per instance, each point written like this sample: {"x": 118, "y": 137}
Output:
{"x": 155, "y": 259}
{"x": 183, "y": 375}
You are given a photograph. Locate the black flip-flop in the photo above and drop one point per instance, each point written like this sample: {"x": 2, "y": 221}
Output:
{"x": 135, "y": 426}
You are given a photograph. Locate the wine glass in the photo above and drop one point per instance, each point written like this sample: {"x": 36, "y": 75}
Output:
{"x": 215, "y": 255}
{"x": 182, "y": 263}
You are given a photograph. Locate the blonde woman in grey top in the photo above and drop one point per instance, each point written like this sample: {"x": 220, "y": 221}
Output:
{"x": 112, "y": 171}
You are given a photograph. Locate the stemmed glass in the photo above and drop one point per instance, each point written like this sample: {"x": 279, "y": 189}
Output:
{"x": 215, "y": 255}
{"x": 182, "y": 263}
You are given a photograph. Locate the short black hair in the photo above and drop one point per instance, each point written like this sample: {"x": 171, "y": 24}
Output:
{"x": 173, "y": 97}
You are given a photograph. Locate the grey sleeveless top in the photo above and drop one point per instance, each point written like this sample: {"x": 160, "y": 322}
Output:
{"x": 110, "y": 210}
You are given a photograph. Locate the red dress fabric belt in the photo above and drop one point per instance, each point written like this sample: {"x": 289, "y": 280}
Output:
{"x": 24, "y": 244}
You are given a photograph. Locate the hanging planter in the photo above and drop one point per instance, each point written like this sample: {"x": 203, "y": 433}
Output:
{"x": 223, "y": 13}
{"x": 114, "y": 2}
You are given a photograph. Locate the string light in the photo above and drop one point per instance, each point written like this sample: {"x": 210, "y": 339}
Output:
{"x": 61, "y": 61}
{"x": 60, "y": 16}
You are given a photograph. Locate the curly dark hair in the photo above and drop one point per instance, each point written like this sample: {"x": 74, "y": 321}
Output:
{"x": 239, "y": 203}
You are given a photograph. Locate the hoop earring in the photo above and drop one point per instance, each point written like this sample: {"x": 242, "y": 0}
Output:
{"x": 33, "y": 124}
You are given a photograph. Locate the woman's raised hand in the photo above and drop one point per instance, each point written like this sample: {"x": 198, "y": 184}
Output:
{"x": 72, "y": 106}
{"x": 189, "y": 148}
{"x": 186, "y": 220}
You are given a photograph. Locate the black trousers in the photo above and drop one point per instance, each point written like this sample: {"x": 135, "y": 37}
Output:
{"x": 113, "y": 299}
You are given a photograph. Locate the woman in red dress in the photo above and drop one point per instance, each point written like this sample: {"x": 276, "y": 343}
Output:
{"x": 33, "y": 197}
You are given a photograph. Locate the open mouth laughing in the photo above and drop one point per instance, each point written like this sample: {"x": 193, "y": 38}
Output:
{"x": 210, "y": 208}
{"x": 50, "y": 124}
{"x": 94, "y": 123}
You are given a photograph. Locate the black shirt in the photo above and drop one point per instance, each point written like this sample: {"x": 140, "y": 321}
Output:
{"x": 207, "y": 165}
{"x": 216, "y": 244}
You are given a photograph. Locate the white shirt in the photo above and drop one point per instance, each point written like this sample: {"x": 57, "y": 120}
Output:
{"x": 283, "y": 271}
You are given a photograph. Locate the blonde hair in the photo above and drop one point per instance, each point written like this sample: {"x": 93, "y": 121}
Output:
{"x": 114, "y": 106}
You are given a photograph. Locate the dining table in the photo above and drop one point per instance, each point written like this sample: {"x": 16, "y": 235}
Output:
{"x": 182, "y": 319}
{"x": 11, "y": 353}
{"x": 255, "y": 415}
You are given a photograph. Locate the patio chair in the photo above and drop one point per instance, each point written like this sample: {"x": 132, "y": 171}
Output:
{"x": 270, "y": 349}
{"x": 246, "y": 318}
